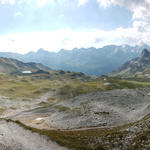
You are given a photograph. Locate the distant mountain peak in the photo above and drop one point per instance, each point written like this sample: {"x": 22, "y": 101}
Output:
{"x": 41, "y": 50}
{"x": 145, "y": 53}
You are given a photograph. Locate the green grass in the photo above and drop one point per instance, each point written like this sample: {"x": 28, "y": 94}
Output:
{"x": 35, "y": 86}
{"x": 78, "y": 140}
{"x": 62, "y": 108}
{"x": 125, "y": 83}
{"x": 16, "y": 87}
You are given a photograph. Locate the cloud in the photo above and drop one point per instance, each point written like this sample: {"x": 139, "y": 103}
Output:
{"x": 42, "y": 3}
{"x": 140, "y": 8}
{"x": 68, "y": 39}
{"x": 82, "y": 2}
{"x": 138, "y": 33}
{"x": 39, "y": 3}
{"x": 7, "y": 1}
{"x": 104, "y": 3}
{"x": 140, "y": 30}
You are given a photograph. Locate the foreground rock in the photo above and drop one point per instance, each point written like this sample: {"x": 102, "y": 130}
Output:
{"x": 14, "y": 137}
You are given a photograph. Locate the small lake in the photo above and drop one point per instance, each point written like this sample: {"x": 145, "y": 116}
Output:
{"x": 107, "y": 83}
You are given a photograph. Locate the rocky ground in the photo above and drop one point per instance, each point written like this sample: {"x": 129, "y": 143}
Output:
{"x": 14, "y": 137}
{"x": 103, "y": 109}
{"x": 110, "y": 119}
{"x": 15, "y": 106}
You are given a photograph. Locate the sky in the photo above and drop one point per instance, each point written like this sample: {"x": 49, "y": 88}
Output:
{"x": 27, "y": 25}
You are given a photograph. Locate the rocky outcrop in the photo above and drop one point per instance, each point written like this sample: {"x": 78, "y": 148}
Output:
{"x": 145, "y": 54}
{"x": 135, "y": 66}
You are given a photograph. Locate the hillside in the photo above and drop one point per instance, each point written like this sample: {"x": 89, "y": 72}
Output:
{"x": 8, "y": 65}
{"x": 139, "y": 66}
{"x": 74, "y": 110}
{"x": 91, "y": 61}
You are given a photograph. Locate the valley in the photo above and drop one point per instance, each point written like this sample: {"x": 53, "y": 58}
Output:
{"x": 68, "y": 105}
{"x": 71, "y": 110}
{"x": 74, "y": 75}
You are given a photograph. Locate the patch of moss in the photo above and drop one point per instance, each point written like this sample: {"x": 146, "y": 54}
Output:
{"x": 62, "y": 108}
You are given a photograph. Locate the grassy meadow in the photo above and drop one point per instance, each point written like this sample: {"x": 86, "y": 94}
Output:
{"x": 65, "y": 85}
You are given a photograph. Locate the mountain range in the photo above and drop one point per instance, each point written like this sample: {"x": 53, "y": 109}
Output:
{"x": 91, "y": 61}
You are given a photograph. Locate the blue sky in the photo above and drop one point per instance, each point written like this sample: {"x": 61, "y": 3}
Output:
{"x": 27, "y": 25}
{"x": 53, "y": 16}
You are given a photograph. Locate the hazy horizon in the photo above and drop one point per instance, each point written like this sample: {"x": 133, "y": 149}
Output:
{"x": 59, "y": 50}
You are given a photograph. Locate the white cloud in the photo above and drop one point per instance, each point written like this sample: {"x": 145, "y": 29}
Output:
{"x": 140, "y": 30}
{"x": 39, "y": 3}
{"x": 104, "y": 3}
{"x": 140, "y": 8}
{"x": 68, "y": 39}
{"x": 82, "y": 2}
{"x": 42, "y": 3}
{"x": 7, "y": 1}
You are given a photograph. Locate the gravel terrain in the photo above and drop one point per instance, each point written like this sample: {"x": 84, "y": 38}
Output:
{"x": 16, "y": 106}
{"x": 103, "y": 109}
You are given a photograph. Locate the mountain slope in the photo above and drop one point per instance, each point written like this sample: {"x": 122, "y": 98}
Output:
{"x": 139, "y": 65}
{"x": 90, "y": 61}
{"x": 8, "y": 65}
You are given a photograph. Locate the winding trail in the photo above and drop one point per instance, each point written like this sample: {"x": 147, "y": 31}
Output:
{"x": 14, "y": 137}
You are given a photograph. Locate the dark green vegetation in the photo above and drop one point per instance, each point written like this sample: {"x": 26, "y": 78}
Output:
{"x": 91, "y": 61}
